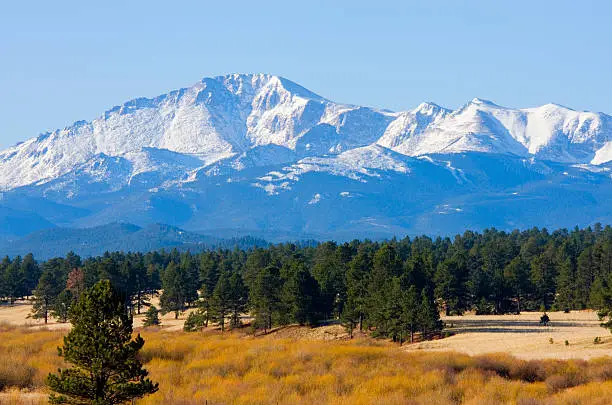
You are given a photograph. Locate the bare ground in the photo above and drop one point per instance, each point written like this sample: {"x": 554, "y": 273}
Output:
{"x": 518, "y": 335}
{"x": 522, "y": 336}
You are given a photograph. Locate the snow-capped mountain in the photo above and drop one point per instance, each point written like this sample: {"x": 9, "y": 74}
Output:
{"x": 257, "y": 153}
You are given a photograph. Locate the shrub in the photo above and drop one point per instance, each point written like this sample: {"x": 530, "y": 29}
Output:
{"x": 558, "y": 382}
{"x": 195, "y": 321}
{"x": 152, "y": 317}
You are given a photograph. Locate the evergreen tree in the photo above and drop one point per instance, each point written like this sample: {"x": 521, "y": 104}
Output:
{"x": 105, "y": 368}
{"x": 543, "y": 279}
{"x": 264, "y": 297}
{"x": 329, "y": 272}
{"x": 221, "y": 300}
{"x": 62, "y": 305}
{"x": 517, "y": 275}
{"x": 449, "y": 286}
{"x": 49, "y": 287}
{"x": 565, "y": 298}
{"x": 195, "y": 321}
{"x": 13, "y": 282}
{"x": 357, "y": 280}
{"x": 209, "y": 276}
{"x": 301, "y": 295}
{"x": 428, "y": 316}
{"x": 175, "y": 283}
{"x": 585, "y": 275}
{"x": 30, "y": 273}
{"x": 151, "y": 317}
{"x": 600, "y": 296}
{"x": 410, "y": 311}
{"x": 238, "y": 299}
{"x": 391, "y": 325}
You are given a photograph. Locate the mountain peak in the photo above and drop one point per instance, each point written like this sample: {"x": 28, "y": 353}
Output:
{"x": 223, "y": 117}
{"x": 482, "y": 101}
{"x": 240, "y": 83}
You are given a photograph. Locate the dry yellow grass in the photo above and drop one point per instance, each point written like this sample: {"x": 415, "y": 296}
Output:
{"x": 234, "y": 368}
{"x": 523, "y": 337}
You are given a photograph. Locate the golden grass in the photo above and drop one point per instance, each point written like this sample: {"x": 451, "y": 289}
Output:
{"x": 238, "y": 369}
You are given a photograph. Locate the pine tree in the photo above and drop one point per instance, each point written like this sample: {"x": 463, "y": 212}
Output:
{"x": 13, "y": 281}
{"x": 585, "y": 275}
{"x": 209, "y": 276}
{"x": 151, "y": 317}
{"x": 175, "y": 284}
{"x": 195, "y": 321}
{"x": 357, "y": 280}
{"x": 238, "y": 299}
{"x": 565, "y": 298}
{"x": 410, "y": 311}
{"x": 105, "y": 368}
{"x": 393, "y": 326}
{"x": 428, "y": 316}
{"x": 30, "y": 273}
{"x": 221, "y": 300}
{"x": 264, "y": 298}
{"x": 62, "y": 305}
{"x": 517, "y": 275}
{"x": 49, "y": 287}
{"x": 300, "y": 295}
{"x": 329, "y": 272}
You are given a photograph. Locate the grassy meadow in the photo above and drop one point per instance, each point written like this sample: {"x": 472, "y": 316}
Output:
{"x": 234, "y": 368}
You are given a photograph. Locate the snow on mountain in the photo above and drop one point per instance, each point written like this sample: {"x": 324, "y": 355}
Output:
{"x": 212, "y": 120}
{"x": 550, "y": 132}
{"x": 227, "y": 117}
{"x": 257, "y": 153}
{"x": 355, "y": 164}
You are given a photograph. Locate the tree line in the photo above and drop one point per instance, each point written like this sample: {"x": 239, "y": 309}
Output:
{"x": 394, "y": 288}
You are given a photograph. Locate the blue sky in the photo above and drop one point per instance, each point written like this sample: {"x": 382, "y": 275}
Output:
{"x": 64, "y": 61}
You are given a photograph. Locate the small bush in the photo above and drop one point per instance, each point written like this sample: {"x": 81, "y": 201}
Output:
{"x": 557, "y": 382}
{"x": 528, "y": 371}
{"x": 195, "y": 321}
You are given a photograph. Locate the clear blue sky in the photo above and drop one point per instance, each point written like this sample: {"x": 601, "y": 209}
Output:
{"x": 62, "y": 61}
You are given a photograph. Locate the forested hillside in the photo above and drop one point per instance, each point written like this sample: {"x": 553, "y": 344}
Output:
{"x": 394, "y": 288}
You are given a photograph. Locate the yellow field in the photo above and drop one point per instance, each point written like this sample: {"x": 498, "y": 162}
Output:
{"x": 523, "y": 337}
{"x": 238, "y": 369}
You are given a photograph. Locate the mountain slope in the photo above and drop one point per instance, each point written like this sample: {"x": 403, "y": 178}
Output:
{"x": 261, "y": 154}
{"x": 95, "y": 241}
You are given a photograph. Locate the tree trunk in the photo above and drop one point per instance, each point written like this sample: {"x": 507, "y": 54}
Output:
{"x": 138, "y": 303}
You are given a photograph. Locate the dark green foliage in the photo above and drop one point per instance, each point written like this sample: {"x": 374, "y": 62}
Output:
{"x": 179, "y": 289}
{"x": 359, "y": 283}
{"x": 265, "y": 297}
{"x": 105, "y": 368}
{"x": 50, "y": 285}
{"x": 221, "y": 300}
{"x": 238, "y": 299}
{"x": 195, "y": 321}
{"x": 62, "y": 305}
{"x": 301, "y": 295}
{"x": 152, "y": 317}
